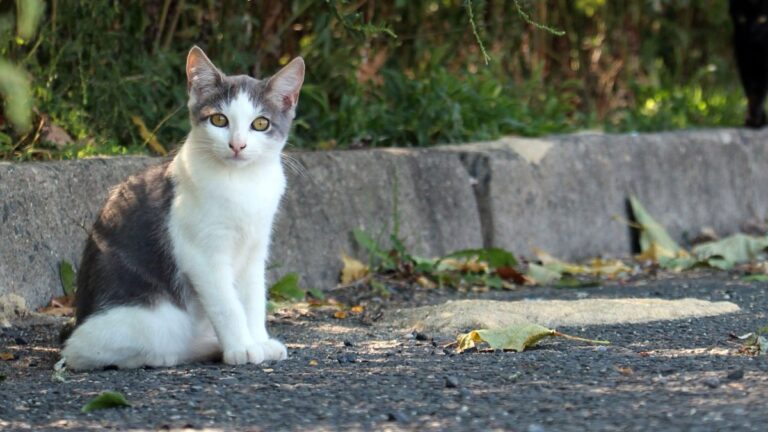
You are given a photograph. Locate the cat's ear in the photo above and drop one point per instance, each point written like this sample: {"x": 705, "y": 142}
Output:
{"x": 283, "y": 88}
{"x": 201, "y": 72}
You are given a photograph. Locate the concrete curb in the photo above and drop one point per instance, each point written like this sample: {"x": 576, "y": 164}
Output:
{"x": 560, "y": 194}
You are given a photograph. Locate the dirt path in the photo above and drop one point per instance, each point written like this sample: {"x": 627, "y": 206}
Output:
{"x": 351, "y": 374}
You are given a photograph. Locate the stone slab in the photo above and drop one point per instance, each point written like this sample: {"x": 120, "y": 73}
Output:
{"x": 46, "y": 209}
{"x": 459, "y": 316}
{"x": 428, "y": 194}
{"x": 568, "y": 194}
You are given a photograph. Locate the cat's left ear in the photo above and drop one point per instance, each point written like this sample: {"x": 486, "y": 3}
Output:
{"x": 283, "y": 88}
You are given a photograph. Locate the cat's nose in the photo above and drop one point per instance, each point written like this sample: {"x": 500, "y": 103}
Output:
{"x": 237, "y": 146}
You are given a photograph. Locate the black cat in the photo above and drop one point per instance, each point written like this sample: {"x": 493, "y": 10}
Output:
{"x": 750, "y": 42}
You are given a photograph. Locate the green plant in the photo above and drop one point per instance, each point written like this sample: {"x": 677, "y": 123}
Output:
{"x": 95, "y": 66}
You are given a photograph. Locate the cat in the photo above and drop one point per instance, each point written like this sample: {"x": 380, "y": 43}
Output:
{"x": 173, "y": 270}
{"x": 750, "y": 42}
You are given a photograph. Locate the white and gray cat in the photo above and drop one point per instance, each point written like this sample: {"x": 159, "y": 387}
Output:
{"x": 173, "y": 270}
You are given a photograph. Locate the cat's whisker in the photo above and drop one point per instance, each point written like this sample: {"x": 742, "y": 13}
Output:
{"x": 293, "y": 164}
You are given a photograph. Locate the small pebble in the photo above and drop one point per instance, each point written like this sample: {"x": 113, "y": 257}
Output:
{"x": 20, "y": 340}
{"x": 348, "y": 343}
{"x": 451, "y": 382}
{"x": 711, "y": 382}
{"x": 420, "y": 336}
{"x": 736, "y": 375}
{"x": 346, "y": 358}
{"x": 398, "y": 416}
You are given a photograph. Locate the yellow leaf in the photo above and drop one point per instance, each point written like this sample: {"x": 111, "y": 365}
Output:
{"x": 472, "y": 265}
{"x": 149, "y": 137}
{"x": 353, "y": 270}
{"x": 516, "y": 337}
{"x": 655, "y": 242}
{"x": 600, "y": 266}
{"x": 340, "y": 314}
{"x": 6, "y": 356}
{"x": 425, "y": 282}
{"x": 356, "y": 309}
{"x": 313, "y": 362}
{"x": 596, "y": 267}
{"x": 655, "y": 251}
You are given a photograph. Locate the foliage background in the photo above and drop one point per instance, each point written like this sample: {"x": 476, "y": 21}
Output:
{"x": 621, "y": 66}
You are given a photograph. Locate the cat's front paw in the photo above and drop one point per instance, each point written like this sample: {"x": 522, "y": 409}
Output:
{"x": 274, "y": 350}
{"x": 256, "y": 353}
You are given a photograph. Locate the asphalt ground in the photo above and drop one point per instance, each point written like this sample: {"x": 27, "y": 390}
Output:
{"x": 357, "y": 374}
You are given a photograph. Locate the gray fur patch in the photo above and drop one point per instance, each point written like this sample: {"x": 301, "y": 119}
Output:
{"x": 213, "y": 96}
{"x": 127, "y": 261}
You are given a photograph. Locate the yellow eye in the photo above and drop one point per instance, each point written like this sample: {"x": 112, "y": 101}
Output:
{"x": 260, "y": 124}
{"x": 218, "y": 120}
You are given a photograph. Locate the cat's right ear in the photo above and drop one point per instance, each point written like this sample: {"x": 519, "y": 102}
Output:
{"x": 201, "y": 73}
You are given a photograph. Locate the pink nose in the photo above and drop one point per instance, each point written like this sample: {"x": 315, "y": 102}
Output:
{"x": 237, "y": 147}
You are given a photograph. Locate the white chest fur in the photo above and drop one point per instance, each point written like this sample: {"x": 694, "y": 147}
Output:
{"x": 222, "y": 212}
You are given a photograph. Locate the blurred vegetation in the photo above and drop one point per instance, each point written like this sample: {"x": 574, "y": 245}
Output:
{"x": 110, "y": 74}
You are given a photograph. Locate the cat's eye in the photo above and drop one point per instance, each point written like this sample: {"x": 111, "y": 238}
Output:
{"x": 260, "y": 124}
{"x": 218, "y": 120}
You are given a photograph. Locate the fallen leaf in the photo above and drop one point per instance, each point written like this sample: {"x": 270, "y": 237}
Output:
{"x": 516, "y": 337}
{"x": 7, "y": 356}
{"x": 148, "y": 137}
{"x": 425, "y": 282}
{"x": 510, "y": 273}
{"x": 357, "y": 309}
{"x": 313, "y": 362}
{"x": 541, "y": 275}
{"x": 737, "y": 248}
{"x": 652, "y": 231}
{"x": 471, "y": 265}
{"x": 107, "y": 399}
{"x": 60, "y": 306}
{"x": 353, "y": 270}
{"x": 655, "y": 242}
{"x": 595, "y": 267}
{"x": 340, "y": 314}
{"x": 760, "y": 267}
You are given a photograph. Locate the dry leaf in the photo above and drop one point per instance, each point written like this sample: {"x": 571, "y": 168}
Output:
{"x": 340, "y": 314}
{"x": 472, "y": 265}
{"x": 655, "y": 252}
{"x": 516, "y": 337}
{"x": 357, "y": 309}
{"x": 7, "y": 356}
{"x": 353, "y": 270}
{"x": 425, "y": 282}
{"x": 60, "y": 306}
